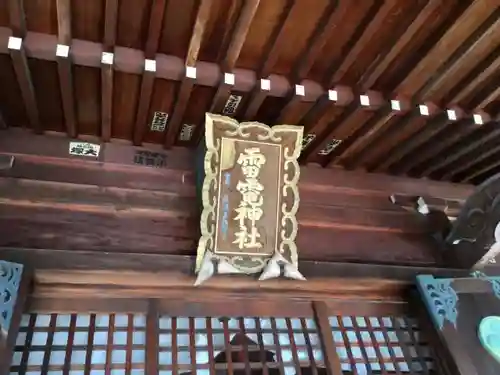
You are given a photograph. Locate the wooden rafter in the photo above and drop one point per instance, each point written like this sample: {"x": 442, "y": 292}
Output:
{"x": 17, "y": 18}
{"x": 406, "y": 38}
{"x": 187, "y": 83}
{"x": 64, "y": 66}
{"x": 23, "y": 75}
{"x": 439, "y": 124}
{"x": 240, "y": 33}
{"x": 110, "y": 25}
{"x": 245, "y": 18}
{"x": 107, "y": 74}
{"x": 450, "y": 158}
{"x": 381, "y": 13}
{"x": 141, "y": 119}
{"x": 477, "y": 13}
{"x": 482, "y": 171}
{"x": 155, "y": 27}
{"x": 149, "y": 72}
{"x": 475, "y": 48}
{"x": 107, "y": 62}
{"x": 385, "y": 117}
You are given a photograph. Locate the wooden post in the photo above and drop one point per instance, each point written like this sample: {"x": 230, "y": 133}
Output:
{"x": 331, "y": 359}
{"x": 14, "y": 286}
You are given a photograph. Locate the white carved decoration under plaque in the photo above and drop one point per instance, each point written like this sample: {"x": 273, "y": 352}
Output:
{"x": 10, "y": 278}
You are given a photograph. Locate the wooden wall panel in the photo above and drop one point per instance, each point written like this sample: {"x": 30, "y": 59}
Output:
{"x": 62, "y": 203}
{"x": 133, "y": 23}
{"x": 41, "y": 16}
{"x": 87, "y": 19}
{"x": 177, "y": 27}
{"x": 87, "y": 86}
{"x": 260, "y": 33}
{"x": 11, "y": 101}
{"x": 126, "y": 89}
{"x": 162, "y": 100}
{"x": 48, "y": 96}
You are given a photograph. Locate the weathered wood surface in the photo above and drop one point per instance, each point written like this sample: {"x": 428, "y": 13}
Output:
{"x": 51, "y": 200}
{"x": 85, "y": 275}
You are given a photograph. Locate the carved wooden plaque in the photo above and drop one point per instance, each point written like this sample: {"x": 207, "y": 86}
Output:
{"x": 250, "y": 195}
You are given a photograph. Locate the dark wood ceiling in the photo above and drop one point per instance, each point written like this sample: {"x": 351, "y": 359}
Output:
{"x": 440, "y": 54}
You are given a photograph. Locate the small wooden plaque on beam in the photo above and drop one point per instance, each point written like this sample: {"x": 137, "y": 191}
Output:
{"x": 249, "y": 199}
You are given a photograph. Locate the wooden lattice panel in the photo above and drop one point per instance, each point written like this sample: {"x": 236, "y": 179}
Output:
{"x": 115, "y": 344}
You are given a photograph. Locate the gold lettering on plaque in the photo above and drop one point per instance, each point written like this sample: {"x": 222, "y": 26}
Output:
{"x": 250, "y": 207}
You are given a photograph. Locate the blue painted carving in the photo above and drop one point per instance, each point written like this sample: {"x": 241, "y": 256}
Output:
{"x": 10, "y": 277}
{"x": 440, "y": 298}
{"x": 494, "y": 281}
{"x": 489, "y": 335}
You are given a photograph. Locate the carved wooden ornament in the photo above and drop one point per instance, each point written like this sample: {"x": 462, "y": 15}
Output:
{"x": 250, "y": 198}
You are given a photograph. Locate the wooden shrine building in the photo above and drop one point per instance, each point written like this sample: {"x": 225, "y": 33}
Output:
{"x": 104, "y": 113}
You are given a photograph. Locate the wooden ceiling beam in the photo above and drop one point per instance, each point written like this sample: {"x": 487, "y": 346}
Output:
{"x": 188, "y": 81}
{"x": 478, "y": 81}
{"x": 107, "y": 73}
{"x": 276, "y": 41}
{"x": 256, "y": 98}
{"x": 63, "y": 22}
{"x": 448, "y": 159}
{"x": 65, "y": 74}
{"x": 475, "y": 48}
{"x": 149, "y": 71}
{"x": 303, "y": 65}
{"x": 58, "y": 265}
{"x": 470, "y": 20}
{"x": 470, "y": 163}
{"x": 107, "y": 65}
{"x": 240, "y": 33}
{"x": 407, "y": 149}
{"x": 23, "y": 75}
{"x": 245, "y": 18}
{"x": 353, "y": 117}
{"x": 396, "y": 109}
{"x": 64, "y": 66}
{"x": 461, "y": 129}
{"x": 110, "y": 25}
{"x": 482, "y": 171}
{"x": 422, "y": 19}
{"x": 382, "y": 12}
{"x": 430, "y": 129}
{"x": 147, "y": 84}
{"x": 406, "y": 131}
{"x": 17, "y": 18}
{"x": 155, "y": 28}
{"x": 318, "y": 39}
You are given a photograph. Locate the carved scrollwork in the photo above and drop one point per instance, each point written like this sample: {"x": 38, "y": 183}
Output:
{"x": 441, "y": 299}
{"x": 10, "y": 278}
{"x": 289, "y": 139}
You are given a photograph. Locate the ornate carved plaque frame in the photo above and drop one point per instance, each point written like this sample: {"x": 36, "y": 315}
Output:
{"x": 281, "y": 145}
